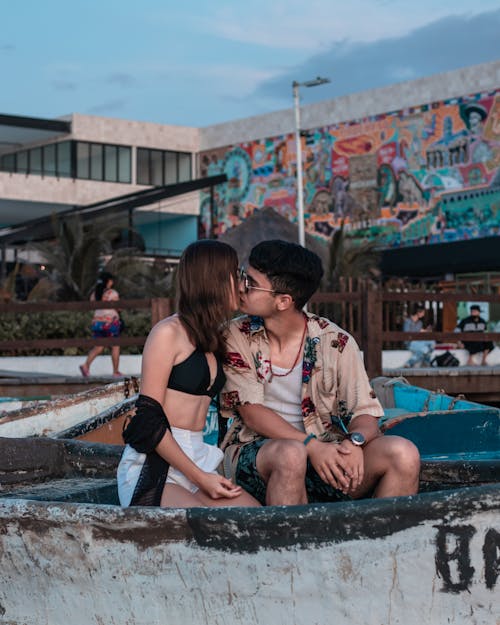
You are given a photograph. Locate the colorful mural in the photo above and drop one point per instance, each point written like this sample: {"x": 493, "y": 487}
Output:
{"x": 421, "y": 175}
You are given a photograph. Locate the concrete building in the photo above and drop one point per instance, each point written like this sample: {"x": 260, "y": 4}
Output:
{"x": 78, "y": 162}
{"x": 413, "y": 164}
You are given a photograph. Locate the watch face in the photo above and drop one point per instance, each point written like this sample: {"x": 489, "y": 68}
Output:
{"x": 357, "y": 438}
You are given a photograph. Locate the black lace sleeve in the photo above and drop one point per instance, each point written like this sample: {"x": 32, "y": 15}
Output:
{"x": 147, "y": 427}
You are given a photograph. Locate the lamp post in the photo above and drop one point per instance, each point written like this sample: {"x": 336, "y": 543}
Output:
{"x": 300, "y": 183}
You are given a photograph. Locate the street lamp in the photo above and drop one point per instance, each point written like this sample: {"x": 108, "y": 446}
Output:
{"x": 300, "y": 184}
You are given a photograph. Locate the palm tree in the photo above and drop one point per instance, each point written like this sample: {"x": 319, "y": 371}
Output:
{"x": 75, "y": 255}
{"x": 350, "y": 259}
{"x": 140, "y": 278}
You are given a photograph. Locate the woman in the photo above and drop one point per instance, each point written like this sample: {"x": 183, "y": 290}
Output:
{"x": 165, "y": 461}
{"x": 105, "y": 323}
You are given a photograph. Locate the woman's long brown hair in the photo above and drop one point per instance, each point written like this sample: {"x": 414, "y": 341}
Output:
{"x": 204, "y": 292}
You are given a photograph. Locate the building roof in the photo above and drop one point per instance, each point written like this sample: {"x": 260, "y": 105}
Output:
{"x": 17, "y": 131}
{"x": 267, "y": 224}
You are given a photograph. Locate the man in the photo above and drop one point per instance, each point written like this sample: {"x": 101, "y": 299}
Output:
{"x": 475, "y": 323}
{"x": 305, "y": 418}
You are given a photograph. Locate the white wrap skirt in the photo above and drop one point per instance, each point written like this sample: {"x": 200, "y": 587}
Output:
{"x": 207, "y": 457}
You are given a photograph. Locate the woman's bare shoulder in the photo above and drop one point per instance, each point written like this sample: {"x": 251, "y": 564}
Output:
{"x": 170, "y": 329}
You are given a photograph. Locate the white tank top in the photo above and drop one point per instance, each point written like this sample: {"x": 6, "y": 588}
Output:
{"x": 283, "y": 395}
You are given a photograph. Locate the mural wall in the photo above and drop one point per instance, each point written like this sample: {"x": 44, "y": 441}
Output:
{"x": 422, "y": 175}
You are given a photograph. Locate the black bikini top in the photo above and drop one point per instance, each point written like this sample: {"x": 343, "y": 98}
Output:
{"x": 192, "y": 376}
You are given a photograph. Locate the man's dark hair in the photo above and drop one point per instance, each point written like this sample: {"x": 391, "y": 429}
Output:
{"x": 475, "y": 307}
{"x": 290, "y": 268}
{"x": 417, "y": 308}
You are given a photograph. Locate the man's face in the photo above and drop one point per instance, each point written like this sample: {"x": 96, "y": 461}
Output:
{"x": 256, "y": 293}
{"x": 474, "y": 312}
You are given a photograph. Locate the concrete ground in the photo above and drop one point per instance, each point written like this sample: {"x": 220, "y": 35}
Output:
{"x": 131, "y": 364}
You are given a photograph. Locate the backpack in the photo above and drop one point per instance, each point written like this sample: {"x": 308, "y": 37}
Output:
{"x": 445, "y": 360}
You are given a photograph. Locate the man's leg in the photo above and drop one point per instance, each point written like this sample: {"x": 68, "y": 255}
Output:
{"x": 273, "y": 471}
{"x": 392, "y": 468}
{"x": 282, "y": 465}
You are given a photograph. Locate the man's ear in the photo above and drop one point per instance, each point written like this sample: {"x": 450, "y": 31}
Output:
{"x": 285, "y": 302}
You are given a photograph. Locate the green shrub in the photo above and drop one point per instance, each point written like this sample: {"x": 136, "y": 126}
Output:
{"x": 61, "y": 325}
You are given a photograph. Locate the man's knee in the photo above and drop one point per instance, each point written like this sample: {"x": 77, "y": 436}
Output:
{"x": 403, "y": 455}
{"x": 283, "y": 456}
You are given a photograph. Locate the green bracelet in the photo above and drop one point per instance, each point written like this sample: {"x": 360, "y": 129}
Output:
{"x": 308, "y": 438}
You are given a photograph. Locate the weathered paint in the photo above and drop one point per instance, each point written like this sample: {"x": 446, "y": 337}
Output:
{"x": 427, "y": 559}
{"x": 63, "y": 412}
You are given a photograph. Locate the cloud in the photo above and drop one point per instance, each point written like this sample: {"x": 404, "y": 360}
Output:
{"x": 7, "y": 47}
{"x": 64, "y": 85}
{"x": 444, "y": 45}
{"x": 295, "y": 25}
{"x": 107, "y": 108}
{"x": 121, "y": 79}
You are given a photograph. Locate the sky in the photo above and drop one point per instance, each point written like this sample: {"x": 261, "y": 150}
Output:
{"x": 198, "y": 63}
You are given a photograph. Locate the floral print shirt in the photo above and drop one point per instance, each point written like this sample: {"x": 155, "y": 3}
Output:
{"x": 335, "y": 386}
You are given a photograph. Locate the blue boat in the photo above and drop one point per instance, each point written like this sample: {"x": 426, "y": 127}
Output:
{"x": 444, "y": 428}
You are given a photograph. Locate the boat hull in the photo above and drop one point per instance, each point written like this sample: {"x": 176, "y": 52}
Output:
{"x": 426, "y": 559}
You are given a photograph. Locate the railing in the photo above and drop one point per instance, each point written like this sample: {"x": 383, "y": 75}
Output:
{"x": 364, "y": 314}
{"x": 159, "y": 309}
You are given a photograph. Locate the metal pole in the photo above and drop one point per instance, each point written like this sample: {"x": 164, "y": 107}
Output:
{"x": 300, "y": 183}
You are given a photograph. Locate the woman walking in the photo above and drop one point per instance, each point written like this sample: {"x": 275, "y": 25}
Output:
{"x": 105, "y": 323}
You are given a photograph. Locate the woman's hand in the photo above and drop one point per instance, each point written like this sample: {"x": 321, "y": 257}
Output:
{"x": 216, "y": 486}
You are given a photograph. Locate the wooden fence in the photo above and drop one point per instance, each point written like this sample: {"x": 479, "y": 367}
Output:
{"x": 373, "y": 317}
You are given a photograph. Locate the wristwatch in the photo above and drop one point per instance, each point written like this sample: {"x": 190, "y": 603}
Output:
{"x": 356, "y": 438}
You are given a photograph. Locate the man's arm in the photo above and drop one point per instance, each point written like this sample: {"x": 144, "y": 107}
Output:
{"x": 268, "y": 423}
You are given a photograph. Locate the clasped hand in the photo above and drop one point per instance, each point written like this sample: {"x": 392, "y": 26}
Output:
{"x": 340, "y": 465}
{"x": 217, "y": 486}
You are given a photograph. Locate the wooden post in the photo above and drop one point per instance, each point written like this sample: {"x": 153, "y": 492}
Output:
{"x": 449, "y": 316}
{"x": 371, "y": 341}
{"x": 160, "y": 308}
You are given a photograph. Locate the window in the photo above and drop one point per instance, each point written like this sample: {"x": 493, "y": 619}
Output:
{"x": 184, "y": 167}
{"x": 22, "y": 162}
{"x": 124, "y": 164}
{"x": 96, "y": 161}
{"x": 9, "y": 162}
{"x": 82, "y": 160}
{"x": 142, "y": 166}
{"x": 36, "y": 161}
{"x": 156, "y": 171}
{"x": 170, "y": 167}
{"x": 111, "y": 163}
{"x": 49, "y": 160}
{"x": 162, "y": 167}
{"x": 64, "y": 159}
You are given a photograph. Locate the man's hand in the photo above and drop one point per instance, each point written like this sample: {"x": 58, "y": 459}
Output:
{"x": 354, "y": 466}
{"x": 216, "y": 486}
{"x": 333, "y": 464}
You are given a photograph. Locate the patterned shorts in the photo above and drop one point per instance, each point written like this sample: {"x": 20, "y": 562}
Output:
{"x": 105, "y": 329}
{"x": 248, "y": 478}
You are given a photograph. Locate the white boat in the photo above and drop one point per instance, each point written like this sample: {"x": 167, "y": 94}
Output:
{"x": 47, "y": 418}
{"x": 68, "y": 554}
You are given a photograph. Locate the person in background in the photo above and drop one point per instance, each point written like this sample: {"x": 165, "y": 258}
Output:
{"x": 166, "y": 461}
{"x": 475, "y": 323}
{"x": 105, "y": 323}
{"x": 305, "y": 425}
{"x": 421, "y": 350}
